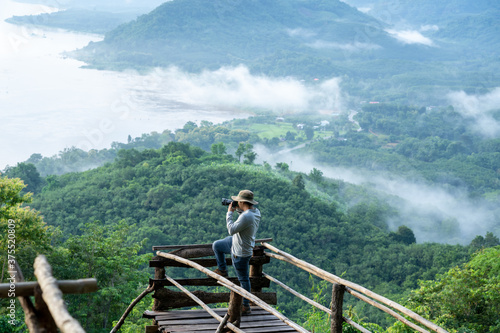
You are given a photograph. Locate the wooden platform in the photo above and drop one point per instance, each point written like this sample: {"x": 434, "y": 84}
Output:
{"x": 200, "y": 321}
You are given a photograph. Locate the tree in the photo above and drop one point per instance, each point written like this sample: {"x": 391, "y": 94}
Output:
{"x": 22, "y": 230}
{"x": 465, "y": 298}
{"x": 189, "y": 126}
{"x": 29, "y": 174}
{"x": 240, "y": 151}
{"x": 316, "y": 175}
{"x": 404, "y": 235}
{"x": 218, "y": 148}
{"x": 289, "y": 136}
{"x": 282, "y": 166}
{"x": 480, "y": 242}
{"x": 106, "y": 254}
{"x": 298, "y": 181}
{"x": 250, "y": 157}
{"x": 245, "y": 150}
{"x": 309, "y": 132}
{"x": 34, "y": 158}
{"x": 206, "y": 123}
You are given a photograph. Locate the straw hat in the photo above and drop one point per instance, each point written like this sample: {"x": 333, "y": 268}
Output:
{"x": 245, "y": 195}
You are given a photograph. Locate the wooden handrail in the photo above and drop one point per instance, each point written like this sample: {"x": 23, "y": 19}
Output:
{"x": 198, "y": 246}
{"x": 386, "y": 310}
{"x": 53, "y": 297}
{"x": 299, "y": 295}
{"x": 314, "y": 303}
{"x": 237, "y": 289}
{"x": 335, "y": 279}
{"x": 204, "y": 306}
{"x": 81, "y": 286}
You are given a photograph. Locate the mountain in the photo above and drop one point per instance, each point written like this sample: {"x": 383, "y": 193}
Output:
{"x": 110, "y": 6}
{"x": 309, "y": 39}
{"x": 83, "y": 20}
{"x": 304, "y": 38}
{"x": 474, "y": 25}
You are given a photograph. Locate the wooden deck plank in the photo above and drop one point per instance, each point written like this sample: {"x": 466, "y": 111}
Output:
{"x": 192, "y": 313}
{"x": 210, "y": 320}
{"x": 199, "y": 321}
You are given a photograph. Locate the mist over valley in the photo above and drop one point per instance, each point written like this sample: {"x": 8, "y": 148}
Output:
{"x": 216, "y": 61}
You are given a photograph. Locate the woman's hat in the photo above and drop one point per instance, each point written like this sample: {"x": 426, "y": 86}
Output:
{"x": 245, "y": 195}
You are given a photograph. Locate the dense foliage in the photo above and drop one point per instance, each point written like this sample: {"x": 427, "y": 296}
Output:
{"x": 466, "y": 298}
{"x": 437, "y": 145}
{"x": 172, "y": 195}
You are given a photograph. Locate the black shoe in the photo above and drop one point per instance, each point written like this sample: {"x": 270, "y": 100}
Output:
{"x": 221, "y": 273}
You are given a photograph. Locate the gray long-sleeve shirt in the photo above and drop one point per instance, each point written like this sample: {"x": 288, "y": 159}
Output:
{"x": 243, "y": 231}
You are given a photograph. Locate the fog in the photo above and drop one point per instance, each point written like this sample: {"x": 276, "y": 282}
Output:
{"x": 410, "y": 36}
{"x": 49, "y": 103}
{"x": 480, "y": 108}
{"x": 435, "y": 214}
{"x": 238, "y": 88}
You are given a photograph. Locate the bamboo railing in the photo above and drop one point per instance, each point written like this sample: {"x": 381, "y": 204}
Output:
{"x": 184, "y": 256}
{"x": 340, "y": 285}
{"x": 49, "y": 313}
{"x": 237, "y": 289}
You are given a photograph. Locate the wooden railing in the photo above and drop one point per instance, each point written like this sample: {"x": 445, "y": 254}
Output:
{"x": 49, "y": 313}
{"x": 340, "y": 286}
{"x": 182, "y": 256}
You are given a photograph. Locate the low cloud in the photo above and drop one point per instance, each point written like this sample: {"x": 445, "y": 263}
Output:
{"x": 238, "y": 88}
{"x": 351, "y": 47}
{"x": 300, "y": 32}
{"x": 410, "y": 37}
{"x": 364, "y": 9}
{"x": 435, "y": 214}
{"x": 480, "y": 108}
{"x": 429, "y": 27}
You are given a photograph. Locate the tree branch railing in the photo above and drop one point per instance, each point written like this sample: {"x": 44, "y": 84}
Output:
{"x": 48, "y": 313}
{"x": 223, "y": 321}
{"x": 236, "y": 289}
{"x": 351, "y": 288}
{"x": 52, "y": 296}
{"x": 314, "y": 303}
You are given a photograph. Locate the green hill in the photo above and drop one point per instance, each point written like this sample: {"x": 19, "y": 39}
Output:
{"x": 307, "y": 39}
{"x": 172, "y": 196}
{"x": 196, "y": 34}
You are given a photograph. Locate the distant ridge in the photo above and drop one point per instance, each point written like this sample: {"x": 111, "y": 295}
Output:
{"x": 299, "y": 36}
{"x": 310, "y": 39}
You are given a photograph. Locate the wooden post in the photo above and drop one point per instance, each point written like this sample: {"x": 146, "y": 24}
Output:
{"x": 234, "y": 309}
{"x": 52, "y": 296}
{"x": 256, "y": 269}
{"x": 43, "y": 312}
{"x": 30, "y": 316}
{"x": 159, "y": 275}
{"x": 337, "y": 301}
{"x": 222, "y": 324}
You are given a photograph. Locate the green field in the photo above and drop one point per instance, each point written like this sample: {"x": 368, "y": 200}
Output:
{"x": 279, "y": 129}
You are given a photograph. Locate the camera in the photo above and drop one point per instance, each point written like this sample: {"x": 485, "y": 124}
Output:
{"x": 227, "y": 202}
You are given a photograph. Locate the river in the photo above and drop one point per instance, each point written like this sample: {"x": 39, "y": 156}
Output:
{"x": 48, "y": 102}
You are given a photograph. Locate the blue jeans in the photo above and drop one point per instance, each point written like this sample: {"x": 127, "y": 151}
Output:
{"x": 240, "y": 264}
